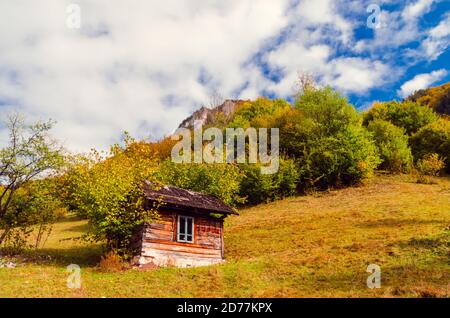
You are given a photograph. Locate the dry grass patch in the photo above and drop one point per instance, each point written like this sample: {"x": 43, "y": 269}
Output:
{"x": 311, "y": 246}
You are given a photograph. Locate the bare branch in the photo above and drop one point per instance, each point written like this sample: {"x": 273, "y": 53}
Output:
{"x": 215, "y": 99}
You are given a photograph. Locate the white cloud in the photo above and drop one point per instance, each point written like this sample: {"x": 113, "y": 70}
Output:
{"x": 324, "y": 12}
{"x": 358, "y": 75}
{"x": 132, "y": 66}
{"x": 438, "y": 39}
{"x": 144, "y": 65}
{"x": 350, "y": 75}
{"x": 396, "y": 28}
{"x": 420, "y": 81}
{"x": 416, "y": 9}
{"x": 293, "y": 57}
{"x": 317, "y": 28}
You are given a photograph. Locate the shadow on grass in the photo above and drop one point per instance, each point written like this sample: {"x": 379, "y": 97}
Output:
{"x": 439, "y": 245}
{"x": 77, "y": 228}
{"x": 84, "y": 256}
{"x": 408, "y": 280}
{"x": 87, "y": 256}
{"x": 70, "y": 218}
{"x": 396, "y": 222}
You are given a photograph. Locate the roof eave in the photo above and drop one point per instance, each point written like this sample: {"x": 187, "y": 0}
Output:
{"x": 178, "y": 205}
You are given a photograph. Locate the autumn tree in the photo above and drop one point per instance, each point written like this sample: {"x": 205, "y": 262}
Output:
{"x": 107, "y": 189}
{"x": 34, "y": 208}
{"x": 332, "y": 147}
{"x": 392, "y": 144}
{"x": 29, "y": 155}
{"x": 431, "y": 139}
{"x": 408, "y": 115}
{"x": 437, "y": 98}
{"x": 221, "y": 180}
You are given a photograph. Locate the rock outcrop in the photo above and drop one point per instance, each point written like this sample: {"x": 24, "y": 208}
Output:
{"x": 207, "y": 115}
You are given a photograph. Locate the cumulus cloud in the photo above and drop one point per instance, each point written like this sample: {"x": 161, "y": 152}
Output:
{"x": 416, "y": 9}
{"x": 317, "y": 28}
{"x": 348, "y": 74}
{"x": 358, "y": 75}
{"x": 396, "y": 28}
{"x": 323, "y": 13}
{"x": 292, "y": 57}
{"x": 144, "y": 65}
{"x": 438, "y": 39}
{"x": 135, "y": 66}
{"x": 420, "y": 81}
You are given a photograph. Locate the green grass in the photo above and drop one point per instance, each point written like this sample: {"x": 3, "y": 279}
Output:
{"x": 309, "y": 246}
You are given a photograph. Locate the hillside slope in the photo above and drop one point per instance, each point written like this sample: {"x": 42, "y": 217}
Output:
{"x": 437, "y": 97}
{"x": 317, "y": 245}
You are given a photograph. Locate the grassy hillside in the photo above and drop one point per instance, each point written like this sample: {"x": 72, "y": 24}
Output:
{"x": 318, "y": 245}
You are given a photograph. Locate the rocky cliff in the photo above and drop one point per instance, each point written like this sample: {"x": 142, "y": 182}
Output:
{"x": 207, "y": 115}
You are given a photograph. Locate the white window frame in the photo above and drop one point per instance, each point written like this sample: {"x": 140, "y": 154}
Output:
{"x": 186, "y": 218}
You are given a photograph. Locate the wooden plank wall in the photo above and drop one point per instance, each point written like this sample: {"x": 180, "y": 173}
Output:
{"x": 162, "y": 229}
{"x": 160, "y": 244}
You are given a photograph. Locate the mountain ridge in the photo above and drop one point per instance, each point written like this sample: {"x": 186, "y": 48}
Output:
{"x": 435, "y": 97}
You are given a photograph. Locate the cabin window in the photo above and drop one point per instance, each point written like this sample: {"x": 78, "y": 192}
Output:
{"x": 185, "y": 232}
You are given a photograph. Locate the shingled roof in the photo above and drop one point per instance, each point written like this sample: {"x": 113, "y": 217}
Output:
{"x": 185, "y": 198}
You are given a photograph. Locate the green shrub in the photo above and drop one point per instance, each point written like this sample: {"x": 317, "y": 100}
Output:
{"x": 33, "y": 209}
{"x": 294, "y": 131}
{"x": 108, "y": 192}
{"x": 392, "y": 144}
{"x": 408, "y": 115}
{"x": 111, "y": 263}
{"x": 342, "y": 159}
{"x": 287, "y": 178}
{"x": 331, "y": 147}
{"x": 219, "y": 180}
{"x": 328, "y": 110}
{"x": 257, "y": 187}
{"x": 250, "y": 111}
{"x": 443, "y": 106}
{"x": 429, "y": 166}
{"x": 433, "y": 138}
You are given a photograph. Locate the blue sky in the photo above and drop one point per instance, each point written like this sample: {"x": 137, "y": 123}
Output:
{"x": 431, "y": 18}
{"x": 145, "y": 65}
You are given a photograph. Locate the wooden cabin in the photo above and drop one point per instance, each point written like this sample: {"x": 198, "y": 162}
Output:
{"x": 188, "y": 232}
